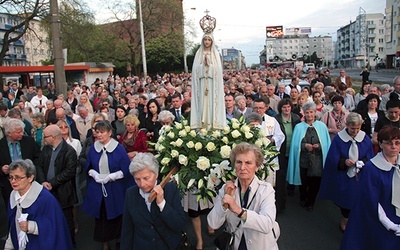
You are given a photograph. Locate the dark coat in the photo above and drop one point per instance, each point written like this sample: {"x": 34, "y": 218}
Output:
{"x": 366, "y": 126}
{"x": 29, "y": 150}
{"x": 295, "y": 121}
{"x": 63, "y": 183}
{"x": 138, "y": 224}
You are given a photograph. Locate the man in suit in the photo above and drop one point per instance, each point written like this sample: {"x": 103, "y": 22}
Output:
{"x": 176, "y": 107}
{"x": 343, "y": 78}
{"x": 56, "y": 170}
{"x": 281, "y": 91}
{"x": 14, "y": 89}
{"x": 15, "y": 145}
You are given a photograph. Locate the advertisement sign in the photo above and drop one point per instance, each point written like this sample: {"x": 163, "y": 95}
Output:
{"x": 298, "y": 31}
{"x": 274, "y": 31}
{"x": 388, "y": 24}
{"x": 230, "y": 59}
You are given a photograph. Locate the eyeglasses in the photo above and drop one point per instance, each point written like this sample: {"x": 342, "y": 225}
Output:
{"x": 46, "y": 136}
{"x": 16, "y": 178}
{"x": 391, "y": 143}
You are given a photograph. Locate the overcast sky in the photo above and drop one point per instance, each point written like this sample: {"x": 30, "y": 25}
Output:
{"x": 241, "y": 23}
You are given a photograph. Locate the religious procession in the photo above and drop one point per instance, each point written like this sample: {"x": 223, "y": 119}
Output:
{"x": 224, "y": 152}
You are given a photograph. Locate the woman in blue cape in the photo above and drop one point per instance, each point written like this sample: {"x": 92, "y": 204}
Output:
{"x": 349, "y": 150}
{"x": 375, "y": 216}
{"x": 44, "y": 225}
{"x": 310, "y": 144}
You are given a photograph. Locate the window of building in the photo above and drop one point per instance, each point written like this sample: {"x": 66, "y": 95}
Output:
{"x": 42, "y": 51}
{"x": 380, "y": 49}
{"x": 35, "y": 51}
{"x": 380, "y": 40}
{"x": 381, "y": 31}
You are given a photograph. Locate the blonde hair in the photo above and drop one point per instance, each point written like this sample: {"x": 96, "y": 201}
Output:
{"x": 132, "y": 119}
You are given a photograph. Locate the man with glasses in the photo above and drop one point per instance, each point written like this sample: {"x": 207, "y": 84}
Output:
{"x": 343, "y": 78}
{"x": 15, "y": 145}
{"x": 56, "y": 169}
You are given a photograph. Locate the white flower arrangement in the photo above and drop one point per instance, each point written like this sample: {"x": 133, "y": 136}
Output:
{"x": 203, "y": 155}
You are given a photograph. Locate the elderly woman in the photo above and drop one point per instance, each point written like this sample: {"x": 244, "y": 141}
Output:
{"x": 375, "y": 217}
{"x": 108, "y": 178}
{"x": 335, "y": 119}
{"x": 166, "y": 118}
{"x": 42, "y": 221}
{"x": 247, "y": 205}
{"x": 349, "y": 150}
{"x": 134, "y": 140}
{"x": 309, "y": 147}
{"x": 155, "y": 225}
{"x": 37, "y": 129}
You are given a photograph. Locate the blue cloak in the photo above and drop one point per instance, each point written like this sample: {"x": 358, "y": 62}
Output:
{"x": 364, "y": 230}
{"x": 336, "y": 185}
{"x": 117, "y": 160}
{"x": 293, "y": 174}
{"x": 46, "y": 212}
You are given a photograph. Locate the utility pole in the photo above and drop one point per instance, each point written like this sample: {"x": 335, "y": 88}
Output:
{"x": 59, "y": 72}
{"x": 142, "y": 40}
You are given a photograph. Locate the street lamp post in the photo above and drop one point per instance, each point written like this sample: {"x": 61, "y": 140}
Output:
{"x": 142, "y": 38}
{"x": 185, "y": 66}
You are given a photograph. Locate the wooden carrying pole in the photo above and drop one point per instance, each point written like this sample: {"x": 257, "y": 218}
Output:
{"x": 230, "y": 192}
{"x": 164, "y": 182}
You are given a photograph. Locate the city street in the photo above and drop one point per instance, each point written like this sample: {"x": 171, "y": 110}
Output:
{"x": 300, "y": 230}
{"x": 382, "y": 76}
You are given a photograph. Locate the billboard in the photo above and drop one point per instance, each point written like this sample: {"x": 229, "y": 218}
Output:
{"x": 274, "y": 31}
{"x": 230, "y": 59}
{"x": 298, "y": 31}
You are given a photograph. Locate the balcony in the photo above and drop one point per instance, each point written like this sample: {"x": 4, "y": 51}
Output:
{"x": 371, "y": 45}
{"x": 371, "y": 35}
{"x": 371, "y": 26}
{"x": 398, "y": 19}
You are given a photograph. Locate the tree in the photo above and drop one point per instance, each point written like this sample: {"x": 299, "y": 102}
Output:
{"x": 164, "y": 53}
{"x": 21, "y": 14}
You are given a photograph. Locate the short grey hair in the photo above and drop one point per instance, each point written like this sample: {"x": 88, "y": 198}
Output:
{"x": 354, "y": 119}
{"x": 395, "y": 79}
{"x": 39, "y": 117}
{"x": 81, "y": 107}
{"x": 134, "y": 112}
{"x": 253, "y": 117}
{"x": 144, "y": 161}
{"x": 12, "y": 124}
{"x": 240, "y": 97}
{"x": 318, "y": 84}
{"x": 26, "y": 166}
{"x": 384, "y": 87}
{"x": 309, "y": 105}
{"x": 328, "y": 90}
{"x": 165, "y": 115}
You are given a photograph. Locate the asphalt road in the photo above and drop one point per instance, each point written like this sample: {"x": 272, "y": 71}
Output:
{"x": 382, "y": 76}
{"x": 300, "y": 230}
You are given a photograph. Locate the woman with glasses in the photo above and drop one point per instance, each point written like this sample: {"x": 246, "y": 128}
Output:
{"x": 374, "y": 221}
{"x": 35, "y": 216}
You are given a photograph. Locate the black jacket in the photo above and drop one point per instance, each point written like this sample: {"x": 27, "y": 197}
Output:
{"x": 63, "y": 183}
{"x": 295, "y": 121}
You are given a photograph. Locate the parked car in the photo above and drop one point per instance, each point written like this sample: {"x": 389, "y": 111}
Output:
{"x": 380, "y": 65}
{"x": 308, "y": 66}
{"x": 302, "y": 83}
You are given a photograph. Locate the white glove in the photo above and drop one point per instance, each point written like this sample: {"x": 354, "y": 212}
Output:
{"x": 359, "y": 166}
{"x": 22, "y": 236}
{"x": 396, "y": 229}
{"x": 96, "y": 176}
{"x": 116, "y": 176}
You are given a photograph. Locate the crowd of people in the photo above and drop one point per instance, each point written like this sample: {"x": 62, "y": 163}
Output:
{"x": 98, "y": 135}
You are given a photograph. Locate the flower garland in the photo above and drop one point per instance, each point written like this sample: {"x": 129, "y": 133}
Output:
{"x": 203, "y": 155}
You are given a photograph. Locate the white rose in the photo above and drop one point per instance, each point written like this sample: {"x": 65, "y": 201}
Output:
{"x": 235, "y": 134}
{"x": 179, "y": 143}
{"x": 173, "y": 143}
{"x": 167, "y": 128}
{"x": 171, "y": 135}
{"x": 225, "y": 151}
{"x": 198, "y": 146}
{"x": 216, "y": 134}
{"x": 227, "y": 129}
{"x": 258, "y": 143}
{"x": 193, "y": 133}
{"x": 185, "y": 122}
{"x": 225, "y": 140}
{"x": 183, "y": 160}
{"x": 161, "y": 148}
{"x": 182, "y": 133}
{"x": 178, "y": 125}
{"x": 161, "y": 139}
{"x": 203, "y": 131}
{"x": 203, "y": 163}
{"x": 234, "y": 145}
{"x": 210, "y": 146}
{"x": 235, "y": 125}
{"x": 165, "y": 161}
{"x": 187, "y": 128}
{"x": 245, "y": 128}
{"x": 248, "y": 135}
{"x": 190, "y": 144}
{"x": 174, "y": 153}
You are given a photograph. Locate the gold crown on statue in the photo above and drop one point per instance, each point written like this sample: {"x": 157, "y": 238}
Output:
{"x": 207, "y": 23}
